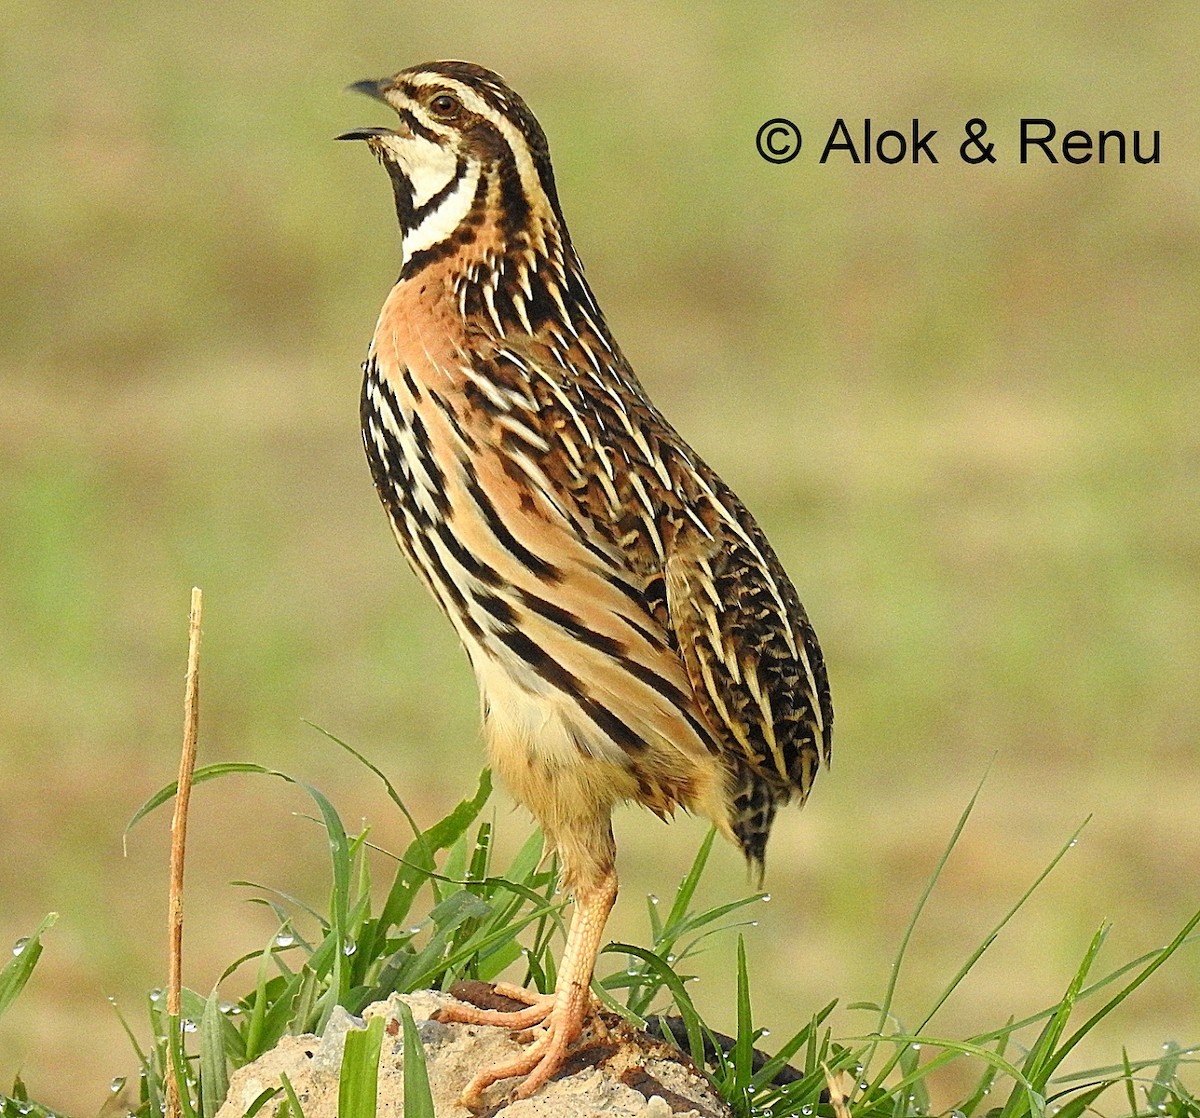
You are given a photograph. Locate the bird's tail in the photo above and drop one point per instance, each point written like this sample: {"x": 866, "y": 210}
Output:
{"x": 752, "y": 809}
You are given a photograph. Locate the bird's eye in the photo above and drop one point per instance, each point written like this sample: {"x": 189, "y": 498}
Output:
{"x": 445, "y": 105}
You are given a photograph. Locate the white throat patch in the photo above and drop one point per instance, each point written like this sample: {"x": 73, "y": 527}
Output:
{"x": 447, "y": 215}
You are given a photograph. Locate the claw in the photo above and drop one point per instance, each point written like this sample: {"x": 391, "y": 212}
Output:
{"x": 538, "y": 1008}
{"x": 539, "y": 1062}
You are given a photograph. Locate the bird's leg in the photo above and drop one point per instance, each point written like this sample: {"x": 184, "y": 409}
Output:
{"x": 572, "y": 993}
{"x": 562, "y": 1018}
{"x": 562, "y": 1014}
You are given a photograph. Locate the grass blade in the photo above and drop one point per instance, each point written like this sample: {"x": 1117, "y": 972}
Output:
{"x": 418, "y": 1100}
{"x": 668, "y": 978}
{"x": 1082, "y": 1102}
{"x": 293, "y": 1101}
{"x": 767, "y": 1073}
{"x": 178, "y": 1064}
{"x": 1130, "y": 1089}
{"x": 885, "y": 1007}
{"x": 687, "y": 887}
{"x": 262, "y": 1099}
{"x": 214, "y": 1076}
{"x": 206, "y": 772}
{"x": 358, "y": 1084}
{"x": 339, "y": 906}
{"x": 417, "y": 865}
{"x": 1044, "y": 1057}
{"x": 743, "y": 1049}
{"x": 1158, "y": 960}
{"x": 17, "y": 970}
{"x": 370, "y": 765}
{"x": 990, "y": 938}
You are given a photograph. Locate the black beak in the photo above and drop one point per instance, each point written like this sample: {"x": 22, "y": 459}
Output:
{"x": 366, "y": 134}
{"x": 372, "y": 87}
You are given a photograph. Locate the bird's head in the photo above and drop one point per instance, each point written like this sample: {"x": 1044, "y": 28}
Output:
{"x": 467, "y": 150}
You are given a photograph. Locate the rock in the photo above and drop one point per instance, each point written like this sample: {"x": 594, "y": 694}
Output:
{"x": 616, "y": 1071}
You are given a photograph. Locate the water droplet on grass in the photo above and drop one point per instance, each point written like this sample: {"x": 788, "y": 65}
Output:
{"x": 284, "y": 939}
{"x": 652, "y": 898}
{"x": 189, "y": 1026}
{"x": 349, "y": 947}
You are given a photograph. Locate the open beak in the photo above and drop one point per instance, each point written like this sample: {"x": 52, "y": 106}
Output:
{"x": 372, "y": 87}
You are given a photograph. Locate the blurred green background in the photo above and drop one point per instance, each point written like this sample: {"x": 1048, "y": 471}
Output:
{"x": 962, "y": 401}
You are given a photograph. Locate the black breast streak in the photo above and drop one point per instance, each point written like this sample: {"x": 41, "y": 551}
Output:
{"x": 554, "y": 673}
{"x": 540, "y": 568}
{"x": 570, "y": 623}
{"x": 432, "y": 563}
{"x": 444, "y": 406}
{"x": 391, "y": 473}
{"x": 437, "y": 479}
{"x": 477, "y": 401}
{"x": 394, "y": 483}
{"x": 499, "y": 608}
{"x": 481, "y": 572}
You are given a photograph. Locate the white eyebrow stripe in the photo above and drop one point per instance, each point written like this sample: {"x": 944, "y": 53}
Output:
{"x": 474, "y": 103}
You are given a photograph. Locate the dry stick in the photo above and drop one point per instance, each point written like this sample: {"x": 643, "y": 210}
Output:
{"x": 187, "y": 765}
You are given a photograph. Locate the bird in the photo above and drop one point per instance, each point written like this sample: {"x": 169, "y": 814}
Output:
{"x": 632, "y": 632}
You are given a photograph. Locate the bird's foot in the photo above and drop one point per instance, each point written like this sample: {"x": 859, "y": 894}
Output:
{"x": 467, "y": 1010}
{"x": 561, "y": 1024}
{"x": 538, "y": 1063}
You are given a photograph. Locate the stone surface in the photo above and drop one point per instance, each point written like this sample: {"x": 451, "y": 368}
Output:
{"x": 615, "y": 1072}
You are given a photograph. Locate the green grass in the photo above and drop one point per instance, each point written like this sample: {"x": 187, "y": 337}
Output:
{"x": 445, "y": 913}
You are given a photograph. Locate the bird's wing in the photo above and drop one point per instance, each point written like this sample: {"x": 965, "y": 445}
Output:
{"x": 655, "y": 513}
{"x": 751, "y": 655}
